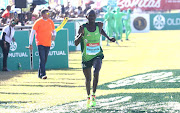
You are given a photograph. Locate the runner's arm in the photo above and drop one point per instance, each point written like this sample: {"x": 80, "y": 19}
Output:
{"x": 79, "y": 36}
{"x": 103, "y": 32}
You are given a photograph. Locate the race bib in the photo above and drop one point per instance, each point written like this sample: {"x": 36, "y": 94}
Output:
{"x": 92, "y": 48}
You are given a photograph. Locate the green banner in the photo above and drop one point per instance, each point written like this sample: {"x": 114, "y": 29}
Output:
{"x": 58, "y": 54}
{"x": 169, "y": 21}
{"x": 18, "y": 54}
{"x": 71, "y": 28}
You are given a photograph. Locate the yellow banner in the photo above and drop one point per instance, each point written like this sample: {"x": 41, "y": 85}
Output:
{"x": 62, "y": 24}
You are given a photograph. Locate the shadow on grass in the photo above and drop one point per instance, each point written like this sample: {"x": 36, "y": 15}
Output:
{"x": 8, "y": 75}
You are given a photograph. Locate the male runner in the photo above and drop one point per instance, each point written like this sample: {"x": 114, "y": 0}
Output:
{"x": 89, "y": 36}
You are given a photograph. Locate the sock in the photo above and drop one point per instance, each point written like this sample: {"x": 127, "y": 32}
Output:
{"x": 93, "y": 93}
{"x": 89, "y": 96}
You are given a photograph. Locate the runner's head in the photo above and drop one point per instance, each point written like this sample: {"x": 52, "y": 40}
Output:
{"x": 91, "y": 15}
{"x": 45, "y": 13}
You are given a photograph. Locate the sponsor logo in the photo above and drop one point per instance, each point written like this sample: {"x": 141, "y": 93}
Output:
{"x": 18, "y": 54}
{"x": 13, "y": 54}
{"x": 141, "y": 3}
{"x": 85, "y": 40}
{"x": 173, "y": 21}
{"x": 93, "y": 44}
{"x": 122, "y": 103}
{"x": 13, "y": 46}
{"x": 173, "y": 1}
{"x": 140, "y": 23}
{"x": 144, "y": 78}
{"x": 148, "y": 80}
{"x": 71, "y": 43}
{"x": 52, "y": 45}
{"x": 88, "y": 34}
{"x": 56, "y": 53}
{"x": 53, "y": 53}
{"x": 159, "y": 22}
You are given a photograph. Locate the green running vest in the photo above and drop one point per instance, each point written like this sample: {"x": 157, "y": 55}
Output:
{"x": 91, "y": 44}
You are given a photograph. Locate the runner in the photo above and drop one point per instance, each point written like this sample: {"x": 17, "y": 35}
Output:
{"x": 89, "y": 36}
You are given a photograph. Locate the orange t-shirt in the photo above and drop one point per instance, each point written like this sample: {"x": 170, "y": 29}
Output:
{"x": 6, "y": 14}
{"x": 44, "y": 30}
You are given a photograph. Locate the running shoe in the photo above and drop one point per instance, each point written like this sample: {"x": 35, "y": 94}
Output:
{"x": 93, "y": 104}
{"x": 88, "y": 102}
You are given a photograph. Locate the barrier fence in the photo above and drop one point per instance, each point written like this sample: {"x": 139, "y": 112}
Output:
{"x": 20, "y": 56}
{"x": 18, "y": 53}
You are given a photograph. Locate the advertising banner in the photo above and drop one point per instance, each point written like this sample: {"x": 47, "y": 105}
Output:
{"x": 58, "y": 54}
{"x": 18, "y": 54}
{"x": 71, "y": 30}
{"x": 140, "y": 23}
{"x": 150, "y": 5}
{"x": 169, "y": 21}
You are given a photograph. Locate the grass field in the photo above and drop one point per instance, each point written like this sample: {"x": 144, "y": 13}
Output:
{"x": 140, "y": 75}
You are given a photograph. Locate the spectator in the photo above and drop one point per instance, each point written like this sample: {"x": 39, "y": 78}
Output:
{"x": 6, "y": 14}
{"x": 7, "y": 36}
{"x": 62, "y": 10}
{"x": 80, "y": 12}
{"x": 45, "y": 32}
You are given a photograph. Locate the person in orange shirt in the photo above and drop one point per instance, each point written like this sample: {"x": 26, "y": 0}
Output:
{"x": 45, "y": 33}
{"x": 6, "y": 14}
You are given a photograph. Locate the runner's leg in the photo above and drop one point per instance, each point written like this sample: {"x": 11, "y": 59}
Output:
{"x": 87, "y": 74}
{"x": 96, "y": 66}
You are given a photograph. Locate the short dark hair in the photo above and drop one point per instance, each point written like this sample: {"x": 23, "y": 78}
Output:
{"x": 90, "y": 11}
{"x": 8, "y": 7}
{"x": 43, "y": 11}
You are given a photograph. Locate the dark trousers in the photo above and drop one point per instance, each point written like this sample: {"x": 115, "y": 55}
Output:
{"x": 5, "y": 53}
{"x": 43, "y": 55}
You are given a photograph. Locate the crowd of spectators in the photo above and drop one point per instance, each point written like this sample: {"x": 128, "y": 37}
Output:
{"x": 56, "y": 13}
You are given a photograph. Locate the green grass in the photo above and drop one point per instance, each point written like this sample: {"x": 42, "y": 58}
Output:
{"x": 64, "y": 90}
